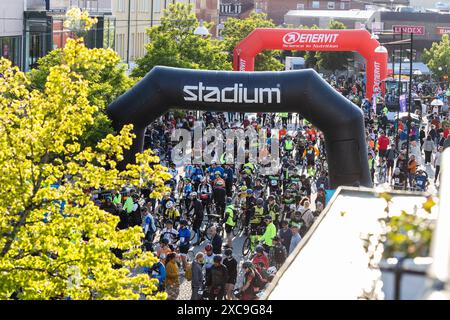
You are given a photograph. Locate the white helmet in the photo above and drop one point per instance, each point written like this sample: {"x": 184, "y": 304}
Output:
{"x": 169, "y": 204}
{"x": 272, "y": 270}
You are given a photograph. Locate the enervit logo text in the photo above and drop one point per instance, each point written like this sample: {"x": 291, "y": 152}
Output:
{"x": 235, "y": 94}
{"x": 299, "y": 38}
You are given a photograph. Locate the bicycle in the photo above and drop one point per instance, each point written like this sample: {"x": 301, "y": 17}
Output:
{"x": 250, "y": 243}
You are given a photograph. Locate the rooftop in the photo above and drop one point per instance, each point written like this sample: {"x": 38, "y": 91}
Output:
{"x": 346, "y": 14}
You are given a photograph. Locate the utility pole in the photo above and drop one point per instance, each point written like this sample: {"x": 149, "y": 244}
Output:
{"x": 128, "y": 36}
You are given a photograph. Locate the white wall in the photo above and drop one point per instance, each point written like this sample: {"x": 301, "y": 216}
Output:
{"x": 11, "y": 18}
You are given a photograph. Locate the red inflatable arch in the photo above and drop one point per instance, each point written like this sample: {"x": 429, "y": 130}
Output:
{"x": 315, "y": 40}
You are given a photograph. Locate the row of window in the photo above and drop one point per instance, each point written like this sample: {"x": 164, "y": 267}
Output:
{"x": 331, "y": 5}
{"x": 137, "y": 45}
{"x": 139, "y": 5}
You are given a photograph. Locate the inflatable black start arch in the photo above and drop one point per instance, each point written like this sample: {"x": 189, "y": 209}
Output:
{"x": 303, "y": 91}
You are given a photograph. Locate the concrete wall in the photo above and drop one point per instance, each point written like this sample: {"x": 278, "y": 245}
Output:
{"x": 11, "y": 18}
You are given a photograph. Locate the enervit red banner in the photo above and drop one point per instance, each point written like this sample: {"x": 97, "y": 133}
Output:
{"x": 419, "y": 30}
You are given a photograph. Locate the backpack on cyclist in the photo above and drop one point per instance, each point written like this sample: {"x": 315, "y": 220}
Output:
{"x": 278, "y": 254}
{"x": 257, "y": 282}
{"x": 310, "y": 155}
{"x": 188, "y": 273}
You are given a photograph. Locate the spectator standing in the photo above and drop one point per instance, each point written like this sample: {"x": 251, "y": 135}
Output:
{"x": 217, "y": 279}
{"x": 197, "y": 275}
{"x": 231, "y": 263}
{"x": 216, "y": 241}
{"x": 285, "y": 233}
{"x": 278, "y": 253}
{"x": 172, "y": 277}
{"x": 295, "y": 240}
{"x": 437, "y": 163}
{"x": 428, "y": 147}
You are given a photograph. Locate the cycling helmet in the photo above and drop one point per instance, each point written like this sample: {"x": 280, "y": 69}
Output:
{"x": 183, "y": 222}
{"x": 169, "y": 221}
{"x": 229, "y": 200}
{"x": 259, "y": 249}
{"x": 165, "y": 241}
{"x": 243, "y": 188}
{"x": 228, "y": 252}
{"x": 268, "y": 217}
{"x": 219, "y": 183}
{"x": 193, "y": 194}
{"x": 249, "y": 191}
{"x": 217, "y": 173}
{"x": 208, "y": 247}
{"x": 271, "y": 197}
{"x": 260, "y": 201}
{"x": 169, "y": 204}
{"x": 247, "y": 264}
{"x": 272, "y": 270}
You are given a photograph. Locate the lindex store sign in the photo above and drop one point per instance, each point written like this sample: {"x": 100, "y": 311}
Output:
{"x": 419, "y": 30}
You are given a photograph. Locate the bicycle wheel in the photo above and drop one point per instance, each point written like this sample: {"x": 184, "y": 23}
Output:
{"x": 208, "y": 231}
{"x": 192, "y": 234}
{"x": 237, "y": 227}
{"x": 246, "y": 247}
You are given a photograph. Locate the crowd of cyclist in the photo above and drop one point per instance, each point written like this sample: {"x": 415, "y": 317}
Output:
{"x": 211, "y": 204}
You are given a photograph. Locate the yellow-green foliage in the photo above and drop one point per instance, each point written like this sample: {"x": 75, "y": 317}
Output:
{"x": 46, "y": 251}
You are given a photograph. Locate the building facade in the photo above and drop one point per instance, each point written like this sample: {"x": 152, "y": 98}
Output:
{"x": 11, "y": 30}
{"x": 427, "y": 26}
{"x": 133, "y": 17}
{"x": 43, "y": 28}
{"x": 276, "y": 9}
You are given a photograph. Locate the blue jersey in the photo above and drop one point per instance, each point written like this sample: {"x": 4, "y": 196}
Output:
{"x": 188, "y": 171}
{"x": 187, "y": 190}
{"x": 185, "y": 236}
{"x": 212, "y": 171}
{"x": 197, "y": 174}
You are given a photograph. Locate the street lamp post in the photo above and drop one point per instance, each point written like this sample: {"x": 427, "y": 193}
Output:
{"x": 409, "y": 99}
{"x": 397, "y": 137}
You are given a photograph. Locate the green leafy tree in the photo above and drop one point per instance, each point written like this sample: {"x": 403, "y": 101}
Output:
{"x": 55, "y": 242}
{"x": 236, "y": 30}
{"x": 173, "y": 43}
{"x": 437, "y": 58}
{"x": 102, "y": 69}
{"x": 333, "y": 60}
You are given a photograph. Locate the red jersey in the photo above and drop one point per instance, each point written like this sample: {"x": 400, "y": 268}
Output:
{"x": 383, "y": 142}
{"x": 257, "y": 259}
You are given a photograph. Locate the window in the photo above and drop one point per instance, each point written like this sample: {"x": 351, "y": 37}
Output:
{"x": 146, "y": 5}
{"x": 10, "y": 49}
{"x": 330, "y": 5}
{"x": 121, "y": 5}
{"x": 157, "y": 6}
{"x": 315, "y": 5}
{"x": 300, "y": 6}
{"x": 345, "y": 5}
{"x": 133, "y": 5}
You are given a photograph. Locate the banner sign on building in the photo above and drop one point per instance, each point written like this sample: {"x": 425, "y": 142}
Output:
{"x": 443, "y": 30}
{"x": 418, "y": 30}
